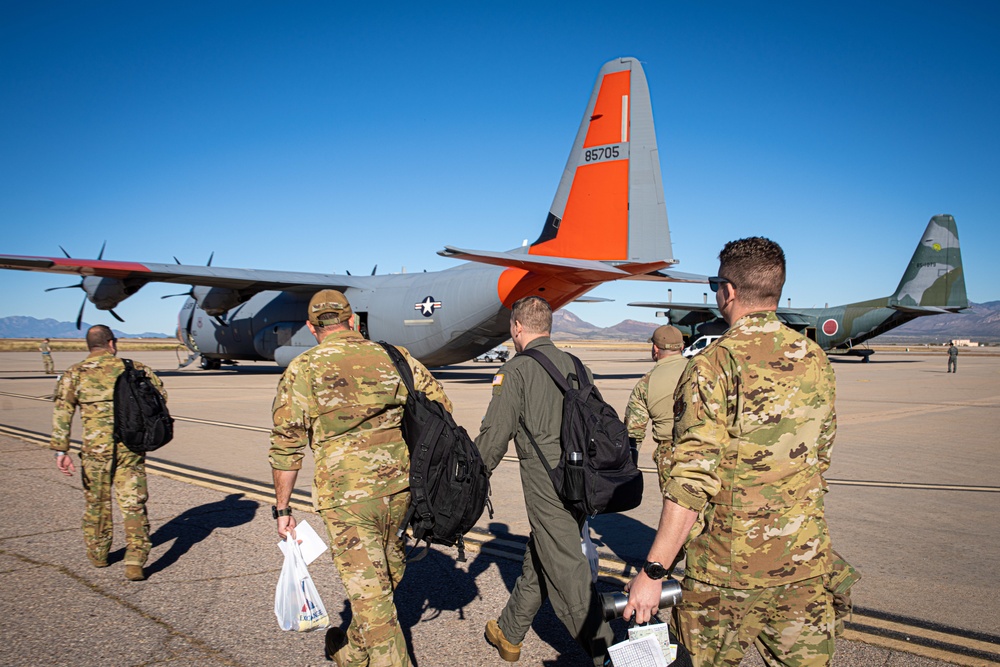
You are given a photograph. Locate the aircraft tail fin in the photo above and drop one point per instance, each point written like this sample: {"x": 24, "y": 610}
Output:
{"x": 934, "y": 277}
{"x": 609, "y": 205}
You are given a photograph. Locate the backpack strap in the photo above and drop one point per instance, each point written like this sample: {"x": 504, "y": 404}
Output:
{"x": 550, "y": 367}
{"x": 399, "y": 361}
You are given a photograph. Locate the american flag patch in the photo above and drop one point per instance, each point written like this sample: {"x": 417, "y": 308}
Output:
{"x": 498, "y": 379}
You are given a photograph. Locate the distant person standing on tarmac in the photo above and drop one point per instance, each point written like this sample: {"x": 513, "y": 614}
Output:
{"x": 90, "y": 385}
{"x": 753, "y": 434}
{"x": 952, "y": 358}
{"x": 652, "y": 398}
{"x": 344, "y": 399}
{"x": 50, "y": 367}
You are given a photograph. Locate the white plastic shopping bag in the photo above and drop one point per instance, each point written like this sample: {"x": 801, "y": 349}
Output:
{"x": 589, "y": 550}
{"x": 296, "y": 601}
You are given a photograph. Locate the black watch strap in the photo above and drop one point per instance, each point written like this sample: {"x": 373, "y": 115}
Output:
{"x": 275, "y": 512}
{"x": 654, "y": 570}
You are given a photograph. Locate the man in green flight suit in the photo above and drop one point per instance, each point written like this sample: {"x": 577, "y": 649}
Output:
{"x": 753, "y": 433}
{"x": 653, "y": 397}
{"x": 344, "y": 399}
{"x": 104, "y": 464}
{"x": 524, "y": 395}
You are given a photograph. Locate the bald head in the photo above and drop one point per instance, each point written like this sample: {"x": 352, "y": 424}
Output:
{"x": 99, "y": 337}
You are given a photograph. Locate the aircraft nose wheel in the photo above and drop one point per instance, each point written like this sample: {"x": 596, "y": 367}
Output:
{"x": 208, "y": 364}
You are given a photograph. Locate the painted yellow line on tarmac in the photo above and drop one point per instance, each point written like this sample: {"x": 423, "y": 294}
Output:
{"x": 864, "y": 627}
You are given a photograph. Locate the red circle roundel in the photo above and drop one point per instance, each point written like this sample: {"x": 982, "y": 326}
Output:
{"x": 830, "y": 327}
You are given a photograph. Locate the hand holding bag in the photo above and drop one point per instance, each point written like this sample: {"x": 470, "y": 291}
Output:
{"x": 296, "y": 601}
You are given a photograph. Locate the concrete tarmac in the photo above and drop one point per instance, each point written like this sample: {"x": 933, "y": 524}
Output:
{"x": 927, "y": 552}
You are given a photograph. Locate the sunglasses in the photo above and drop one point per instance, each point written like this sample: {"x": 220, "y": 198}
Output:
{"x": 715, "y": 281}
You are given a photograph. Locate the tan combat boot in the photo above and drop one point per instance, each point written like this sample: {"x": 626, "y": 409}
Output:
{"x": 134, "y": 573}
{"x": 494, "y": 635}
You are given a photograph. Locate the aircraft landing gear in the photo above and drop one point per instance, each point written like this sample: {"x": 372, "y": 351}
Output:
{"x": 208, "y": 364}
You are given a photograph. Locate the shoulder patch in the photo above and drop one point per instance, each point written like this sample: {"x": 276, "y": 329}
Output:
{"x": 498, "y": 379}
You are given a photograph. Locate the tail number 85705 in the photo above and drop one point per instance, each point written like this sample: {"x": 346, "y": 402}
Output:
{"x": 602, "y": 153}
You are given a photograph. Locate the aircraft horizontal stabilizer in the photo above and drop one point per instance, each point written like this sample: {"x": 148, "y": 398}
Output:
{"x": 587, "y": 269}
{"x": 667, "y": 275}
{"x": 592, "y": 299}
{"x": 924, "y": 310}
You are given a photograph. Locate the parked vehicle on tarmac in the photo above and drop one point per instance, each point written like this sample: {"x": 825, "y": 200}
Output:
{"x": 699, "y": 345}
{"x": 497, "y": 354}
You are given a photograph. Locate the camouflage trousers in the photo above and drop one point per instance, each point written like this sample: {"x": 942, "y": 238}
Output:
{"x": 370, "y": 560}
{"x": 50, "y": 366}
{"x": 791, "y": 625}
{"x": 130, "y": 489}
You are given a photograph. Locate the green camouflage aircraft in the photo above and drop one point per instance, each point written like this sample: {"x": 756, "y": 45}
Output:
{"x": 933, "y": 283}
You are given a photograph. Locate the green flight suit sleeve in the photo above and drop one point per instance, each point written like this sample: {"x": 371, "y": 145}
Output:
{"x": 290, "y": 434}
{"x": 62, "y": 416}
{"x": 700, "y": 431}
{"x": 500, "y": 422}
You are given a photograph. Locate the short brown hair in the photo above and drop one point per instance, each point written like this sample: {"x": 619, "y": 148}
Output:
{"x": 98, "y": 336}
{"x": 756, "y": 267}
{"x": 534, "y": 313}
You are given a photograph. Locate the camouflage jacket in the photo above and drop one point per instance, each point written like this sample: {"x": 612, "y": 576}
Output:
{"x": 653, "y": 398}
{"x": 90, "y": 385}
{"x": 753, "y": 434}
{"x": 344, "y": 399}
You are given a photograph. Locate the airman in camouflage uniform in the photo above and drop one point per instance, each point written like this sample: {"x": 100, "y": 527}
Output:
{"x": 90, "y": 385}
{"x": 753, "y": 435}
{"x": 344, "y": 399}
{"x": 653, "y": 397}
{"x": 50, "y": 367}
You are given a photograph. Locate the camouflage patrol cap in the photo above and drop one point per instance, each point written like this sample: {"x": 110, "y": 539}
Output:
{"x": 667, "y": 338}
{"x": 329, "y": 307}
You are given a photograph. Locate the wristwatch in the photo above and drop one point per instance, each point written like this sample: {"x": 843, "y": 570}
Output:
{"x": 58, "y": 454}
{"x": 654, "y": 570}
{"x": 275, "y": 512}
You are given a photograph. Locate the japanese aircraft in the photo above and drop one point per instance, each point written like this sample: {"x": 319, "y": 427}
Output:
{"x": 608, "y": 221}
{"x": 933, "y": 283}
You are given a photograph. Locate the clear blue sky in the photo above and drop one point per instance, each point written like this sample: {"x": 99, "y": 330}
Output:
{"x": 325, "y": 136}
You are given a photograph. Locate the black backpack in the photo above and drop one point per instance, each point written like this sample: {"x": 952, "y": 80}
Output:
{"x": 142, "y": 422}
{"x": 596, "y": 473}
{"x": 449, "y": 483}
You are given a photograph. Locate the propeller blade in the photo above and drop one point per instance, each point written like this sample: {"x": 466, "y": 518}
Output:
{"x": 168, "y": 296}
{"x": 79, "y": 316}
{"x": 65, "y": 253}
{"x": 348, "y": 273}
{"x": 210, "y": 257}
{"x": 375, "y": 269}
{"x": 116, "y": 315}
{"x": 176, "y": 261}
{"x": 64, "y": 287}
{"x": 100, "y": 255}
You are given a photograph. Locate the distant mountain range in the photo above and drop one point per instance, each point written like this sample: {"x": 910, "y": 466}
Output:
{"x": 20, "y": 326}
{"x": 980, "y": 323}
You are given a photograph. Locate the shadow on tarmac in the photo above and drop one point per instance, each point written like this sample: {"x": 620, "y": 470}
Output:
{"x": 437, "y": 584}
{"x": 194, "y": 525}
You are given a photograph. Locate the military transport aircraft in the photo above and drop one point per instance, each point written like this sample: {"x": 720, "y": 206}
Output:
{"x": 608, "y": 221}
{"x": 933, "y": 283}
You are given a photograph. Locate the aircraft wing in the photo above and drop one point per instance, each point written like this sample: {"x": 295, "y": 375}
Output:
{"x": 687, "y": 313}
{"x": 140, "y": 273}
